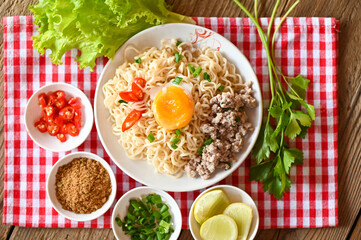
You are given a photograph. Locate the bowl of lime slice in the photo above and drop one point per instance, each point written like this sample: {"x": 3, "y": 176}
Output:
{"x": 223, "y": 212}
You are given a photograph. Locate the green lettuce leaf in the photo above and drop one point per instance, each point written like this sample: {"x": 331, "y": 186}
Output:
{"x": 95, "y": 27}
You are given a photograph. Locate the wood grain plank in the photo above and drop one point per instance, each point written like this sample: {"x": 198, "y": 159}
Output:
{"x": 349, "y": 111}
{"x": 58, "y": 233}
{"x": 356, "y": 233}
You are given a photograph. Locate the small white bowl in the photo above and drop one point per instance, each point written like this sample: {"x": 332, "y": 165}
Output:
{"x": 51, "y": 193}
{"x": 33, "y": 114}
{"x": 234, "y": 194}
{"x": 121, "y": 210}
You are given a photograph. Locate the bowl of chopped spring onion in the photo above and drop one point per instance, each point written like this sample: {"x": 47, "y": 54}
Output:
{"x": 146, "y": 213}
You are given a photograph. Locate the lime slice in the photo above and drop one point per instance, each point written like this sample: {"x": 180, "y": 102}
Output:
{"x": 219, "y": 227}
{"x": 242, "y": 214}
{"x": 210, "y": 204}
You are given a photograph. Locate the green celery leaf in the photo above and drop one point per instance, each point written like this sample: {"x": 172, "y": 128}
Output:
{"x": 280, "y": 182}
{"x": 303, "y": 132}
{"x": 303, "y": 118}
{"x": 286, "y": 105}
{"x": 275, "y": 111}
{"x": 295, "y": 104}
{"x": 299, "y": 84}
{"x": 282, "y": 124}
{"x": 297, "y": 154}
{"x": 288, "y": 160}
{"x": 293, "y": 97}
{"x": 264, "y": 144}
{"x": 293, "y": 129}
{"x": 261, "y": 171}
{"x": 300, "y": 81}
{"x": 309, "y": 108}
{"x": 272, "y": 142}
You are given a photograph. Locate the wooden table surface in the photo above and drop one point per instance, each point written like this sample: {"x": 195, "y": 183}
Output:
{"x": 349, "y": 99}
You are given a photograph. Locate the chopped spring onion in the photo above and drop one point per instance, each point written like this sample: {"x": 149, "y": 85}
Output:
{"x": 175, "y": 140}
{"x": 174, "y": 146}
{"x": 208, "y": 141}
{"x": 238, "y": 119}
{"x": 147, "y": 218}
{"x": 178, "y": 132}
{"x": 122, "y": 101}
{"x": 177, "y": 57}
{"x": 197, "y": 71}
{"x": 138, "y": 60}
{"x": 206, "y": 76}
{"x": 229, "y": 165}
{"x": 200, "y": 150}
{"x": 178, "y": 43}
{"x": 221, "y": 88}
{"x": 177, "y": 80}
{"x": 191, "y": 68}
{"x": 151, "y": 137}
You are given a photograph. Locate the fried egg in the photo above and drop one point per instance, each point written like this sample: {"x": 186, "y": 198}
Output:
{"x": 173, "y": 105}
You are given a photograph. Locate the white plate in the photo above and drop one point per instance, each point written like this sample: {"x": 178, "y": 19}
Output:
{"x": 141, "y": 170}
{"x": 51, "y": 193}
{"x": 234, "y": 195}
{"x": 33, "y": 114}
{"x": 121, "y": 209}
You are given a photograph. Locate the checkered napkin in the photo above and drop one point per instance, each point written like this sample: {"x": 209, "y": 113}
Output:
{"x": 305, "y": 45}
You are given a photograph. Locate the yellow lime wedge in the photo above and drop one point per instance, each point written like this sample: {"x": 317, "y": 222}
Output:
{"x": 210, "y": 204}
{"x": 219, "y": 227}
{"x": 242, "y": 214}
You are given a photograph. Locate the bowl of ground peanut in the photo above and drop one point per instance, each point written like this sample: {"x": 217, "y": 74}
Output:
{"x": 81, "y": 186}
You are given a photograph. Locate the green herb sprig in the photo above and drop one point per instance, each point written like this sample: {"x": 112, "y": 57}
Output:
{"x": 272, "y": 153}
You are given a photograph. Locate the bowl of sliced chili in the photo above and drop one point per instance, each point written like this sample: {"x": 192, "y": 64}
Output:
{"x": 58, "y": 117}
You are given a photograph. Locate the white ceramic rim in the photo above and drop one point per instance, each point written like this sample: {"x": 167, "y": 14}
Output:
{"x": 177, "y": 229}
{"x": 190, "y": 215}
{"x": 79, "y": 140}
{"x": 92, "y": 216}
{"x": 205, "y": 183}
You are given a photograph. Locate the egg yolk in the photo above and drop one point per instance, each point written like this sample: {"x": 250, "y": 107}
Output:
{"x": 173, "y": 108}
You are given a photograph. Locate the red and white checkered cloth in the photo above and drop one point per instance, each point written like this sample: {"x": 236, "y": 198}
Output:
{"x": 306, "y": 45}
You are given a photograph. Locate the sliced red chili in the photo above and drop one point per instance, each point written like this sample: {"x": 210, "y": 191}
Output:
{"x": 59, "y": 121}
{"x": 64, "y": 129}
{"x": 77, "y": 119}
{"x": 140, "y": 81}
{"x": 67, "y": 113}
{"x": 61, "y": 137}
{"x": 60, "y": 103}
{"x": 129, "y": 96}
{"x": 137, "y": 91}
{"x": 49, "y": 120}
{"x": 72, "y": 129}
{"x": 72, "y": 101}
{"x": 53, "y": 129}
{"x": 51, "y": 100}
{"x": 41, "y": 125}
{"x": 131, "y": 119}
{"x": 49, "y": 111}
{"x": 60, "y": 94}
{"x": 43, "y": 99}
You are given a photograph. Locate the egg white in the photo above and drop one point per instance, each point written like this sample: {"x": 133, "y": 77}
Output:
{"x": 186, "y": 86}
